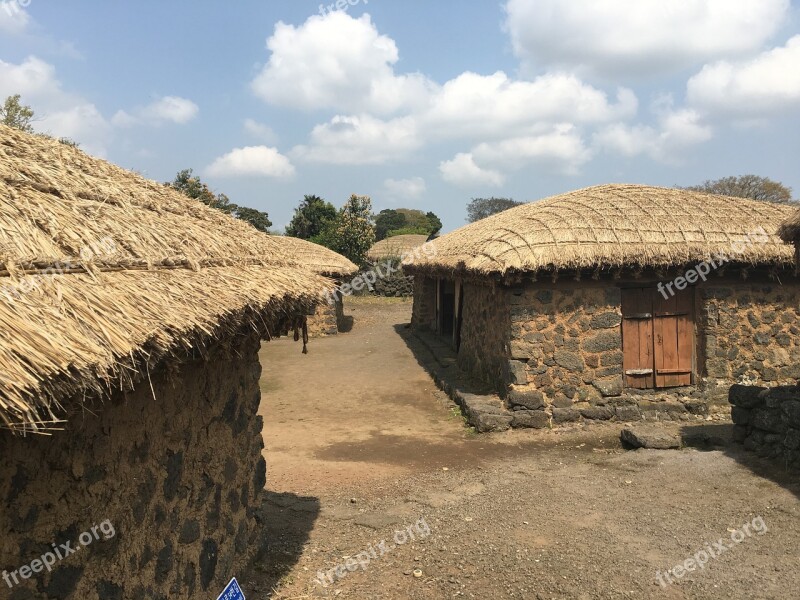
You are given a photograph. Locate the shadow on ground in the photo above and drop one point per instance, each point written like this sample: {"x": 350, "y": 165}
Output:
{"x": 719, "y": 436}
{"x": 286, "y": 522}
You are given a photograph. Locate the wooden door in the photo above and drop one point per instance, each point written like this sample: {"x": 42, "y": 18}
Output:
{"x": 637, "y": 338}
{"x": 673, "y": 339}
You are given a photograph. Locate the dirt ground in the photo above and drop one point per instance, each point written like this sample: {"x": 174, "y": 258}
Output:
{"x": 363, "y": 449}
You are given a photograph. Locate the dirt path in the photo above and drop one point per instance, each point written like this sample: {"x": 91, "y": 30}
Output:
{"x": 360, "y": 445}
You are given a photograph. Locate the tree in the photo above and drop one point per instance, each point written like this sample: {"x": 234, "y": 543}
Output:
{"x": 352, "y": 232}
{"x": 747, "y": 186}
{"x": 310, "y": 218}
{"x": 480, "y": 208}
{"x": 14, "y": 114}
{"x": 408, "y": 220}
{"x": 191, "y": 186}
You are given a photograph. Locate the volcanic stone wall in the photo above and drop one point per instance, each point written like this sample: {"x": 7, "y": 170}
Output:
{"x": 423, "y": 313}
{"x": 327, "y": 318}
{"x": 174, "y": 468}
{"x": 394, "y": 284}
{"x": 767, "y": 421}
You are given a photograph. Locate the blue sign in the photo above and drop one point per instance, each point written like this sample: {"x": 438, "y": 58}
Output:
{"x": 232, "y": 591}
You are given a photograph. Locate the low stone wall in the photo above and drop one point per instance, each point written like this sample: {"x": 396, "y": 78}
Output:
{"x": 396, "y": 284}
{"x": 767, "y": 421}
{"x": 327, "y": 319}
{"x": 173, "y": 468}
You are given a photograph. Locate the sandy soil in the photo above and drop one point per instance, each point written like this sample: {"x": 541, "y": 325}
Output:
{"x": 360, "y": 445}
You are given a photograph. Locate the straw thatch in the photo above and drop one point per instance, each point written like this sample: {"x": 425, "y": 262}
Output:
{"x": 103, "y": 274}
{"x": 790, "y": 228}
{"x": 613, "y": 226}
{"x": 316, "y": 258}
{"x": 396, "y": 246}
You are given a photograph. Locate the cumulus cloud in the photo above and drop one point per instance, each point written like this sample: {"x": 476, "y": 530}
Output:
{"x": 14, "y": 19}
{"x": 464, "y": 172}
{"x": 640, "y": 38}
{"x": 768, "y": 83}
{"x": 676, "y": 131}
{"x": 252, "y": 161}
{"x": 57, "y": 112}
{"x": 410, "y": 189}
{"x": 339, "y": 62}
{"x": 360, "y": 140}
{"x": 167, "y": 109}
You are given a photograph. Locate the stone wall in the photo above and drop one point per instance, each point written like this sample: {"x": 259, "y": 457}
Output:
{"x": 395, "y": 284}
{"x": 750, "y": 334}
{"x": 327, "y": 318}
{"x": 484, "y": 333}
{"x": 178, "y": 477}
{"x": 423, "y": 313}
{"x": 767, "y": 421}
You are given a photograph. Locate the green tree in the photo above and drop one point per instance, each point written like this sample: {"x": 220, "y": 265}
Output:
{"x": 406, "y": 220}
{"x": 310, "y": 218}
{"x": 480, "y": 208}
{"x": 190, "y": 185}
{"x": 15, "y": 114}
{"x": 747, "y": 186}
{"x": 352, "y": 232}
{"x": 388, "y": 220}
{"x": 435, "y": 223}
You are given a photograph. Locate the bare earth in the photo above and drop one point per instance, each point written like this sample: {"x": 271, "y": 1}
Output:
{"x": 360, "y": 444}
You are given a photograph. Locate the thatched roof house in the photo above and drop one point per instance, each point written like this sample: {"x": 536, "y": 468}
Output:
{"x": 609, "y": 293}
{"x": 131, "y": 318}
{"x": 328, "y": 317}
{"x": 790, "y": 232}
{"x": 395, "y": 247}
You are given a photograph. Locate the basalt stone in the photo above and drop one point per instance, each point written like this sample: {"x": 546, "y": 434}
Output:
{"x": 792, "y": 439}
{"x": 755, "y": 322}
{"x": 164, "y": 562}
{"x": 562, "y": 401}
{"x": 566, "y": 415}
{"x": 569, "y": 360}
{"x": 650, "y": 437}
{"x": 190, "y": 578}
{"x": 233, "y": 501}
{"x": 208, "y": 563}
{"x": 530, "y": 399}
{"x": 174, "y": 474}
{"x": 597, "y": 413}
{"x": 146, "y": 557}
{"x": 628, "y": 413}
{"x": 517, "y": 373}
{"x": 108, "y": 590}
{"x": 544, "y": 296}
{"x": 746, "y": 396}
{"x": 791, "y": 413}
{"x": 63, "y": 582}
{"x": 485, "y": 422}
{"x": 230, "y": 469}
{"x": 767, "y": 420}
{"x": 762, "y": 338}
{"x": 696, "y": 407}
{"x": 18, "y": 483}
{"x": 605, "y": 320}
{"x": 531, "y": 419}
{"x": 603, "y": 341}
{"x": 609, "y": 387}
{"x": 190, "y": 532}
{"x": 260, "y": 474}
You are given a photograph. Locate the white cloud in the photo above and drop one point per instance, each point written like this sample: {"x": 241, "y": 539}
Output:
{"x": 14, "y": 19}
{"x": 360, "y": 140}
{"x": 173, "y": 109}
{"x": 410, "y": 189}
{"x": 57, "y": 112}
{"x": 562, "y": 147}
{"x": 260, "y": 131}
{"x": 252, "y": 161}
{"x": 677, "y": 131}
{"x": 767, "y": 83}
{"x": 641, "y": 37}
{"x": 463, "y": 172}
{"x": 338, "y": 62}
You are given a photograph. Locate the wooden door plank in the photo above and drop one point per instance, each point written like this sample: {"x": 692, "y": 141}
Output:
{"x": 686, "y": 344}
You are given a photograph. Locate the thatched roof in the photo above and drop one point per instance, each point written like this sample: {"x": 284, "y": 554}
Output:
{"x": 394, "y": 247}
{"x": 612, "y": 226}
{"x": 103, "y": 274}
{"x": 790, "y": 228}
{"x": 316, "y": 258}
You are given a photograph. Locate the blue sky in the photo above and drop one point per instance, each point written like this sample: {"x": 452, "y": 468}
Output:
{"x": 416, "y": 104}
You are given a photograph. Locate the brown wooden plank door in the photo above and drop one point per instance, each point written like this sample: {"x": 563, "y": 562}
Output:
{"x": 637, "y": 338}
{"x": 673, "y": 327}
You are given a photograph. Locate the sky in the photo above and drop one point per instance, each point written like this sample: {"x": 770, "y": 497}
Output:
{"x": 417, "y": 104}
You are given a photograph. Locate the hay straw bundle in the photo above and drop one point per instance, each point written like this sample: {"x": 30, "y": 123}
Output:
{"x": 396, "y": 246}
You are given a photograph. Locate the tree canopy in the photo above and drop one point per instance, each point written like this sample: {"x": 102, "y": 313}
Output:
{"x": 480, "y": 208}
{"x": 190, "y": 185}
{"x": 747, "y": 186}
{"x": 310, "y": 218}
{"x": 15, "y": 114}
{"x": 392, "y": 222}
{"x": 352, "y": 232}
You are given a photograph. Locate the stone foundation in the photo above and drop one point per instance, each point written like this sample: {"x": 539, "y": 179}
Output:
{"x": 178, "y": 477}
{"x": 767, "y": 421}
